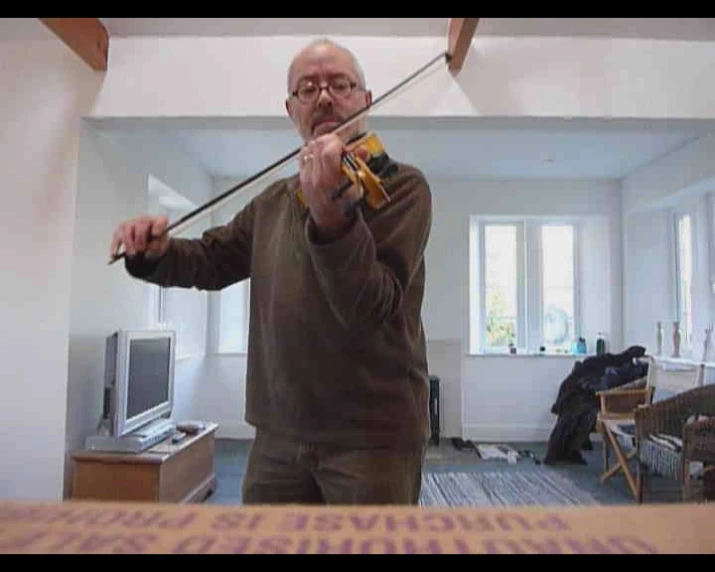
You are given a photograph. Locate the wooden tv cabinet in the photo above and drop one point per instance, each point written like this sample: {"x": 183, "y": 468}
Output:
{"x": 167, "y": 472}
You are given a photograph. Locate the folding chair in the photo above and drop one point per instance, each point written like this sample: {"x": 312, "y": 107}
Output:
{"x": 616, "y": 424}
{"x": 616, "y": 419}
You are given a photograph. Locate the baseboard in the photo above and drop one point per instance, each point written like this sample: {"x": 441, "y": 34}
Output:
{"x": 234, "y": 430}
{"x": 506, "y": 433}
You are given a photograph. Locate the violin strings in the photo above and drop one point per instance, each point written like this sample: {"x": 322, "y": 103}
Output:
{"x": 218, "y": 201}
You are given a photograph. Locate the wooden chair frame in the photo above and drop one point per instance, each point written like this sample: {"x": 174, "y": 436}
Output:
{"x": 618, "y": 405}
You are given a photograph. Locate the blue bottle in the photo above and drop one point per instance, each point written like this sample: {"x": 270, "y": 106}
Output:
{"x": 582, "y": 346}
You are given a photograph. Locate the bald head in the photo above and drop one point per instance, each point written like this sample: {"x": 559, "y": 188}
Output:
{"x": 332, "y": 89}
{"x": 323, "y": 46}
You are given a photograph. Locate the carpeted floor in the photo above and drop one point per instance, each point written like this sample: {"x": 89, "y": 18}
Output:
{"x": 231, "y": 456}
{"x": 538, "y": 487}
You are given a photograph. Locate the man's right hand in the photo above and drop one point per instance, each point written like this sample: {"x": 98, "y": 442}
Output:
{"x": 143, "y": 234}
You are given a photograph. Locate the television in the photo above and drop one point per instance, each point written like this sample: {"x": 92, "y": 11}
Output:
{"x": 139, "y": 379}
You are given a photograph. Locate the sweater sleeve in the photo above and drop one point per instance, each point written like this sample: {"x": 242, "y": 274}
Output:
{"x": 365, "y": 273}
{"x": 219, "y": 258}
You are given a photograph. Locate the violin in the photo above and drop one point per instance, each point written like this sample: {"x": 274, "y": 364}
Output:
{"x": 367, "y": 175}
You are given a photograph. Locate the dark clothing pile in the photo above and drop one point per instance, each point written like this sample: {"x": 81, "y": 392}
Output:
{"x": 577, "y": 404}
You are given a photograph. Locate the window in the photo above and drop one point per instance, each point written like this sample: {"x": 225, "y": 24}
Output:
{"x": 527, "y": 285}
{"x": 179, "y": 309}
{"x": 684, "y": 275}
{"x": 160, "y": 313}
{"x": 234, "y": 318}
{"x": 502, "y": 259}
{"x": 558, "y": 281}
{"x": 710, "y": 244}
{"x": 231, "y": 307}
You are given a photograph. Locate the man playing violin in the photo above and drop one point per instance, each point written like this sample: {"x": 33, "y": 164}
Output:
{"x": 336, "y": 383}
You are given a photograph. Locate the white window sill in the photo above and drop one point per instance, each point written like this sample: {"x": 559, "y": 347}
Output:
{"x": 184, "y": 357}
{"x": 527, "y": 355}
{"x": 684, "y": 361}
{"x": 228, "y": 354}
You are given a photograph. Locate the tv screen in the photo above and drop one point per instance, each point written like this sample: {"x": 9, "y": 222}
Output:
{"x": 148, "y": 376}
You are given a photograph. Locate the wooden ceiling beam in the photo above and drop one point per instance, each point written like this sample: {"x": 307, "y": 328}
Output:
{"x": 87, "y": 37}
{"x": 461, "y": 32}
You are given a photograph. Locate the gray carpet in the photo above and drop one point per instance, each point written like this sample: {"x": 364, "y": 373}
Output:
{"x": 542, "y": 487}
{"x": 232, "y": 456}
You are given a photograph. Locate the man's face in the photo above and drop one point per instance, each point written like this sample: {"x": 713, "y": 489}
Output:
{"x": 321, "y": 66}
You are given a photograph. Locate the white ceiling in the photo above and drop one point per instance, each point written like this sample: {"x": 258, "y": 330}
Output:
{"x": 457, "y": 148}
{"x": 545, "y": 149}
{"x": 448, "y": 148}
{"x": 689, "y": 29}
{"x": 694, "y": 29}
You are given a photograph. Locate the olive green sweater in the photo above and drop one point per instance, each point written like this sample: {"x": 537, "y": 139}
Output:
{"x": 336, "y": 348}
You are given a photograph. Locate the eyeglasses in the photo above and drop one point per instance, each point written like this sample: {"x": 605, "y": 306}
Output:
{"x": 340, "y": 87}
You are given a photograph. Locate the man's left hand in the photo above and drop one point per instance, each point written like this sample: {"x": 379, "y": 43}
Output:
{"x": 320, "y": 175}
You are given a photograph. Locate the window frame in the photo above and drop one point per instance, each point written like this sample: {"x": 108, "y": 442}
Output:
{"x": 245, "y": 286}
{"x": 530, "y": 336}
{"x": 676, "y": 216}
{"x": 521, "y": 331}
{"x": 577, "y": 325}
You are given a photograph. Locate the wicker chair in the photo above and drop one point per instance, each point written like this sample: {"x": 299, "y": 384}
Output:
{"x": 675, "y": 420}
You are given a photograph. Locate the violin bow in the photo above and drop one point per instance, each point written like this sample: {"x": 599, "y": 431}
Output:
{"x": 218, "y": 201}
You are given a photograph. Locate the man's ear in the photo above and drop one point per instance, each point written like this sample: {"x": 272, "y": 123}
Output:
{"x": 368, "y": 97}
{"x": 289, "y": 108}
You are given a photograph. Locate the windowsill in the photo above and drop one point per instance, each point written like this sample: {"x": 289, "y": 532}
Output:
{"x": 527, "y": 355}
{"x": 228, "y": 354}
{"x": 685, "y": 361}
{"x": 184, "y": 357}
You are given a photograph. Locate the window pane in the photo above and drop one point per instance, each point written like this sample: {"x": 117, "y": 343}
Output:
{"x": 234, "y": 320}
{"x": 500, "y": 268}
{"x": 557, "y": 244}
{"x": 685, "y": 267}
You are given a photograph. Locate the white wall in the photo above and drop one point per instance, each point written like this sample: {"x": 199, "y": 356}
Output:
{"x": 509, "y": 398}
{"x": 522, "y": 388}
{"x": 502, "y": 76}
{"x": 595, "y": 204}
{"x": 679, "y": 182}
{"x": 648, "y": 286}
{"x": 46, "y": 90}
{"x": 114, "y": 169}
{"x": 682, "y": 174}
{"x": 464, "y": 378}
{"x": 516, "y": 77}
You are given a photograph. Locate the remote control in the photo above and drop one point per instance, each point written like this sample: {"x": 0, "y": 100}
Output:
{"x": 190, "y": 427}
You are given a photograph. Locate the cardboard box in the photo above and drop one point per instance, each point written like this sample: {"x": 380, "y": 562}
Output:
{"x": 106, "y": 527}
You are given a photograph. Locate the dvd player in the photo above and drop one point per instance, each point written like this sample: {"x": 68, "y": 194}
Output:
{"x": 137, "y": 441}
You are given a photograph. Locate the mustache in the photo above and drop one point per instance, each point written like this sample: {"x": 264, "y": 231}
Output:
{"x": 329, "y": 116}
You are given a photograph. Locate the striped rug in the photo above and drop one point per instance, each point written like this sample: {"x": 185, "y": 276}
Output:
{"x": 542, "y": 487}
